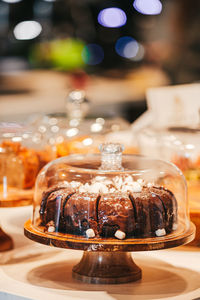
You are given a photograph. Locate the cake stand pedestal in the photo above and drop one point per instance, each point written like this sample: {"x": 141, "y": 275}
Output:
{"x": 108, "y": 261}
{"x": 106, "y": 268}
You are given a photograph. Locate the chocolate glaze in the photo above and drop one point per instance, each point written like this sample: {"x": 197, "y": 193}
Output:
{"x": 115, "y": 211}
{"x": 136, "y": 214}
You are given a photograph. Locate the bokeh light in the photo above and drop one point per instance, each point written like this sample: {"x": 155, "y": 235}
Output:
{"x": 127, "y": 47}
{"x": 11, "y": 1}
{"x": 66, "y": 54}
{"x": 148, "y": 7}
{"x": 62, "y": 54}
{"x": 140, "y": 54}
{"x": 112, "y": 17}
{"x": 27, "y": 30}
{"x": 92, "y": 54}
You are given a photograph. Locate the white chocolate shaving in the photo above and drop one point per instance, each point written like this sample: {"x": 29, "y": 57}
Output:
{"x": 82, "y": 189}
{"x": 90, "y": 233}
{"x": 120, "y": 235}
{"x": 98, "y": 187}
{"x": 136, "y": 187}
{"x": 140, "y": 181}
{"x": 175, "y": 226}
{"x": 160, "y": 232}
{"x": 118, "y": 182}
{"x": 75, "y": 184}
{"x": 126, "y": 188}
{"x": 102, "y": 184}
{"x": 128, "y": 179}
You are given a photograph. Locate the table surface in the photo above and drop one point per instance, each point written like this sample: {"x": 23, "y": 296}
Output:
{"x": 34, "y": 271}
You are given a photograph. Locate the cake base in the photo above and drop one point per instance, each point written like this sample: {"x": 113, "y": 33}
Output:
{"x": 106, "y": 268}
{"x": 107, "y": 261}
{"x": 6, "y": 242}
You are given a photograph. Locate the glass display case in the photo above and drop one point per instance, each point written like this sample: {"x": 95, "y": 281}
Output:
{"x": 95, "y": 196}
{"x": 179, "y": 145}
{"x": 79, "y": 132}
{"x": 22, "y": 154}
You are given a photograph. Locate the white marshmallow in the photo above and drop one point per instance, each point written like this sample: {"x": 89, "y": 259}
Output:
{"x": 51, "y": 229}
{"x": 140, "y": 181}
{"x": 120, "y": 235}
{"x": 75, "y": 184}
{"x": 82, "y": 189}
{"x": 118, "y": 182}
{"x": 90, "y": 233}
{"x": 104, "y": 189}
{"x": 95, "y": 187}
{"x": 126, "y": 188}
{"x": 136, "y": 187}
{"x": 175, "y": 226}
{"x": 128, "y": 179}
{"x": 102, "y": 185}
{"x": 160, "y": 232}
{"x": 99, "y": 178}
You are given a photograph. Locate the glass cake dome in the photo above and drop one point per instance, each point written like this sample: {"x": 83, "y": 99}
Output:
{"x": 23, "y": 154}
{"x": 110, "y": 196}
{"x": 179, "y": 145}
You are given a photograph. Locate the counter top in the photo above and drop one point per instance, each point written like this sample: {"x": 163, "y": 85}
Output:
{"x": 44, "y": 91}
{"x": 34, "y": 271}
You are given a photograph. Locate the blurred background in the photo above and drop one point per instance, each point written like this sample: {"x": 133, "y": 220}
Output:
{"x": 114, "y": 50}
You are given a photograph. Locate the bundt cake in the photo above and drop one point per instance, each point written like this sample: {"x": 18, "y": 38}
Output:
{"x": 119, "y": 207}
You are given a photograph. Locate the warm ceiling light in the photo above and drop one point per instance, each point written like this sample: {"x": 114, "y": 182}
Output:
{"x": 127, "y": 47}
{"x": 92, "y": 54}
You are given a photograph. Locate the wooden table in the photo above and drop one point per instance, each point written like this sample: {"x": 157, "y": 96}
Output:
{"x": 35, "y": 271}
{"x": 45, "y": 91}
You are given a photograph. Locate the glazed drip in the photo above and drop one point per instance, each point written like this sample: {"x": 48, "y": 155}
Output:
{"x": 45, "y": 197}
{"x": 134, "y": 207}
{"x": 164, "y": 207}
{"x": 65, "y": 202}
{"x": 97, "y": 207}
{"x": 174, "y": 203}
{"x": 156, "y": 213}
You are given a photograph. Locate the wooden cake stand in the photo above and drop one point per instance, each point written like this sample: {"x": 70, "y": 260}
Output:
{"x": 107, "y": 261}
